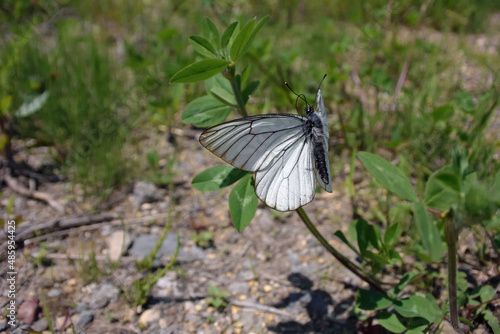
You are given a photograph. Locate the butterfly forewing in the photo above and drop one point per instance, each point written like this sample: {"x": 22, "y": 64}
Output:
{"x": 251, "y": 143}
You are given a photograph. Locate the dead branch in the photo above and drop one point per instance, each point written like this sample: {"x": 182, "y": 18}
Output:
{"x": 38, "y": 195}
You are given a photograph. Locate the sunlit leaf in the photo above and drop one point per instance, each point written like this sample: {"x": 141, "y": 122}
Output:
{"x": 205, "y": 111}
{"x": 243, "y": 203}
{"x": 199, "y": 71}
{"x": 390, "y": 322}
{"x": 428, "y": 232}
{"x": 228, "y": 33}
{"x": 216, "y": 178}
{"x": 388, "y": 175}
{"x": 241, "y": 39}
{"x": 202, "y": 46}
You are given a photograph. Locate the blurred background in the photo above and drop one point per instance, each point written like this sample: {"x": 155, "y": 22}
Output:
{"x": 91, "y": 129}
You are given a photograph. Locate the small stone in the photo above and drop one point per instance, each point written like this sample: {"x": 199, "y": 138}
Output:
{"x": 146, "y": 207}
{"x": 267, "y": 288}
{"x": 86, "y": 317}
{"x": 117, "y": 242}
{"x": 28, "y": 310}
{"x": 40, "y": 325}
{"x": 149, "y": 316}
{"x": 163, "y": 323}
{"x": 54, "y": 293}
{"x": 102, "y": 295}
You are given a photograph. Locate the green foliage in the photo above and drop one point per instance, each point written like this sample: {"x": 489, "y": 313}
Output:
{"x": 204, "y": 239}
{"x": 140, "y": 291}
{"x": 217, "y": 297}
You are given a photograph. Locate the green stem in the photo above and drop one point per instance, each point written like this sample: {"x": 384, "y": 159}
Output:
{"x": 239, "y": 97}
{"x": 451, "y": 240}
{"x": 341, "y": 258}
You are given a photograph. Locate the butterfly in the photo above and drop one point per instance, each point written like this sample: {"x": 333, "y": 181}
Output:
{"x": 288, "y": 153}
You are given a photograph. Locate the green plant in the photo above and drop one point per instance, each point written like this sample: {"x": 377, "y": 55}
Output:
{"x": 140, "y": 291}
{"x": 204, "y": 239}
{"x": 459, "y": 200}
{"x": 217, "y": 297}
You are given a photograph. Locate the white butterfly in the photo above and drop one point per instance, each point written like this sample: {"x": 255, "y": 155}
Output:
{"x": 287, "y": 153}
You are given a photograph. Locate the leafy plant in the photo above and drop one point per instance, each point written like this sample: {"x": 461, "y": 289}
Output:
{"x": 217, "y": 297}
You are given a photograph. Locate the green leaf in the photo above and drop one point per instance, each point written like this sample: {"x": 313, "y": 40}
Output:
{"x": 372, "y": 300}
{"x": 211, "y": 30}
{"x": 259, "y": 25}
{"x": 241, "y": 39}
{"x": 367, "y": 235}
{"x": 200, "y": 70}
{"x": 418, "y": 306}
{"x": 228, "y": 33}
{"x": 429, "y": 232}
{"x": 218, "y": 81}
{"x": 205, "y": 111}
{"x": 202, "y": 46}
{"x": 342, "y": 237}
{"x": 405, "y": 280}
{"x": 442, "y": 113}
{"x": 390, "y": 322}
{"x": 252, "y": 86}
{"x": 442, "y": 190}
{"x": 486, "y": 293}
{"x": 492, "y": 321}
{"x": 391, "y": 235}
{"x": 243, "y": 203}
{"x": 216, "y": 178}
{"x": 224, "y": 96}
{"x": 388, "y": 175}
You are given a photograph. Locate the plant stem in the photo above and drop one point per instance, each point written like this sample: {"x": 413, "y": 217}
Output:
{"x": 451, "y": 240}
{"x": 341, "y": 258}
{"x": 239, "y": 98}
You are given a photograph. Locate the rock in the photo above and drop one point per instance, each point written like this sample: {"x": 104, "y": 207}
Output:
{"x": 40, "y": 325}
{"x": 149, "y": 316}
{"x": 54, "y": 293}
{"x": 28, "y": 310}
{"x": 145, "y": 192}
{"x": 86, "y": 317}
{"x": 116, "y": 243}
{"x": 143, "y": 244}
{"x": 238, "y": 288}
{"x": 102, "y": 295}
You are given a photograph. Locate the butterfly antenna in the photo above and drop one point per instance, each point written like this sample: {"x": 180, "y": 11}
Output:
{"x": 324, "y": 76}
{"x": 299, "y": 96}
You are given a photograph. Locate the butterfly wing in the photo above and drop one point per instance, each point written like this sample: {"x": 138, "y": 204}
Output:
{"x": 287, "y": 183}
{"x": 326, "y": 135}
{"x": 276, "y": 147}
{"x": 251, "y": 143}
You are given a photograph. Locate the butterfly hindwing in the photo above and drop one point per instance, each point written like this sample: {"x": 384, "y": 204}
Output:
{"x": 287, "y": 183}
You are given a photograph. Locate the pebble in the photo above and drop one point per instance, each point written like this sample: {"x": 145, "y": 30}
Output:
{"x": 102, "y": 295}
{"x": 117, "y": 242}
{"x": 86, "y": 317}
{"x": 149, "y": 316}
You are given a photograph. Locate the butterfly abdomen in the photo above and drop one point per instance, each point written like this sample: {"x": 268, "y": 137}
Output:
{"x": 316, "y": 135}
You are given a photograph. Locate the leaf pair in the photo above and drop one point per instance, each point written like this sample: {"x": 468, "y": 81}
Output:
{"x": 242, "y": 199}
{"x": 214, "y": 49}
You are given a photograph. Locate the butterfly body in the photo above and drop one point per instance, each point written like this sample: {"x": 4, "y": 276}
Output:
{"x": 287, "y": 152}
